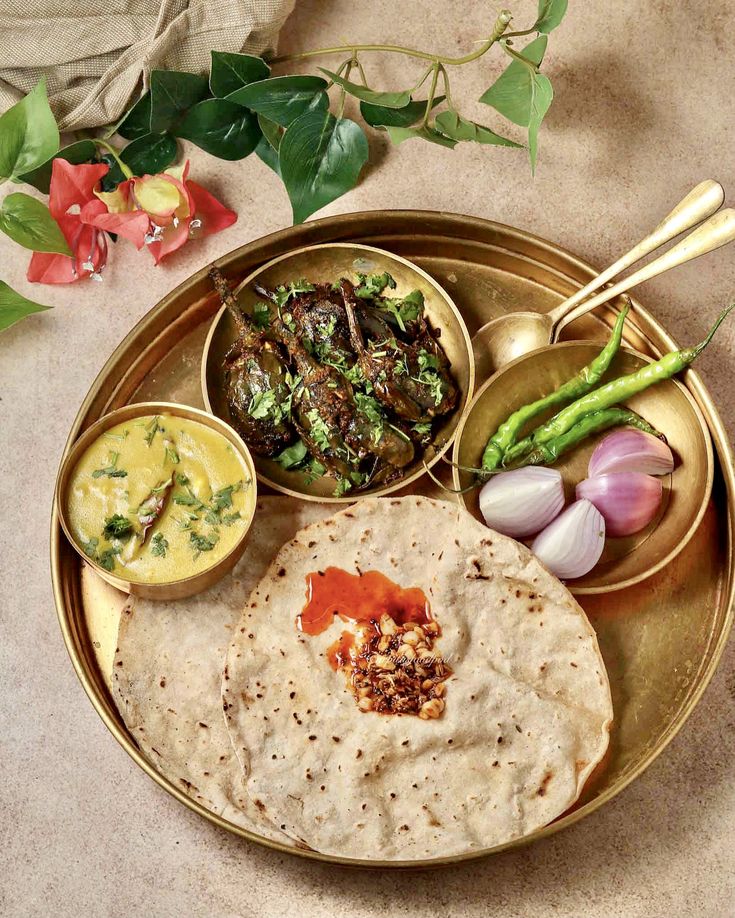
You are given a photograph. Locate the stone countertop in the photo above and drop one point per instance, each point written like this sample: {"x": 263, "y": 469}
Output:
{"x": 643, "y": 111}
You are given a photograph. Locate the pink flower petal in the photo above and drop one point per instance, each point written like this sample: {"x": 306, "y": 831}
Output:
{"x": 173, "y": 238}
{"x": 133, "y": 225}
{"x": 72, "y": 185}
{"x": 214, "y": 215}
{"x": 48, "y": 268}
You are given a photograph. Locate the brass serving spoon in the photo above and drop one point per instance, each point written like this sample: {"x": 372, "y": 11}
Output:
{"x": 507, "y": 337}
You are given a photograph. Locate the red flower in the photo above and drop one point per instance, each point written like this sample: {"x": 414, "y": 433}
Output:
{"x": 163, "y": 211}
{"x": 160, "y": 211}
{"x": 72, "y": 204}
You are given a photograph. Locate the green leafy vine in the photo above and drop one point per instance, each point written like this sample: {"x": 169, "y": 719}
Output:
{"x": 289, "y": 121}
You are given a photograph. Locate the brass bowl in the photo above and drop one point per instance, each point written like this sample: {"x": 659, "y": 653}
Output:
{"x": 668, "y": 406}
{"x": 173, "y": 589}
{"x": 328, "y": 262}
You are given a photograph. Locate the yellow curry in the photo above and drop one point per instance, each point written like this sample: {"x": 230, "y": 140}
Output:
{"x": 157, "y": 499}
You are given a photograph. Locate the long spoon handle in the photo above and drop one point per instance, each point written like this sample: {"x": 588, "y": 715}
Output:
{"x": 715, "y": 232}
{"x": 701, "y": 202}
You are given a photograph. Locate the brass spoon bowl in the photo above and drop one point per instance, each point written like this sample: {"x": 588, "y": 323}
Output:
{"x": 171, "y": 589}
{"x": 507, "y": 337}
{"x": 668, "y": 406}
{"x": 330, "y": 262}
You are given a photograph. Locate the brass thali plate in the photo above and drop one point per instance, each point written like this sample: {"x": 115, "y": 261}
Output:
{"x": 661, "y": 639}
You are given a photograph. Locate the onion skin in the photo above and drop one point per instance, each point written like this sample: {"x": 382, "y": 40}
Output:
{"x": 572, "y": 544}
{"x": 521, "y": 502}
{"x": 630, "y": 450}
{"x": 627, "y": 500}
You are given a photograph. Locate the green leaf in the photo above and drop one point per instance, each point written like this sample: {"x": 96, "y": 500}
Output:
{"x": 458, "y": 128}
{"x": 231, "y": 72}
{"x": 271, "y": 131}
{"x": 147, "y": 155}
{"x": 83, "y": 151}
{"x": 511, "y": 94}
{"x": 385, "y": 99}
{"x": 137, "y": 122}
{"x": 321, "y": 158}
{"x": 292, "y": 456}
{"x": 283, "y": 99}
{"x": 28, "y": 134}
{"x": 543, "y": 96}
{"x": 379, "y": 116}
{"x": 172, "y": 94}
{"x": 265, "y": 153}
{"x": 222, "y": 128}
{"x": 150, "y": 154}
{"x": 269, "y": 143}
{"x": 29, "y": 223}
{"x": 14, "y": 307}
{"x": 399, "y": 134}
{"x": 550, "y": 14}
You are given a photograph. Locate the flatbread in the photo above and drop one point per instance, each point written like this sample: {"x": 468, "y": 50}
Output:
{"x": 167, "y": 671}
{"x": 528, "y": 706}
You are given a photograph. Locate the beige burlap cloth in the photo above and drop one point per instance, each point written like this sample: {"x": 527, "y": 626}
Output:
{"x": 97, "y": 55}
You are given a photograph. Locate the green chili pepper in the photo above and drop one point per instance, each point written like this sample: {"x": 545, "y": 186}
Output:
{"x": 547, "y": 453}
{"x": 617, "y": 390}
{"x": 588, "y": 377}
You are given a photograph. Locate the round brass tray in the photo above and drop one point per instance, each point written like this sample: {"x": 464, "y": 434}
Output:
{"x": 661, "y": 639}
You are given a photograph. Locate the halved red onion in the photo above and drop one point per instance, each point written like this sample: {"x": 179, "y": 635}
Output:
{"x": 571, "y": 545}
{"x": 627, "y": 500}
{"x": 631, "y": 450}
{"x": 521, "y": 502}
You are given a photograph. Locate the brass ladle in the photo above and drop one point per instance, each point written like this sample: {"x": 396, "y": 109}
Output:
{"x": 507, "y": 337}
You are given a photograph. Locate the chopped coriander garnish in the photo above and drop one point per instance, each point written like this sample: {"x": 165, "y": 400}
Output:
{"x": 171, "y": 454}
{"x": 354, "y": 375}
{"x": 319, "y": 430}
{"x": 187, "y": 499}
{"x": 159, "y": 545}
{"x": 119, "y": 437}
{"x": 343, "y": 486}
{"x": 181, "y": 479}
{"x": 264, "y": 405}
{"x": 422, "y": 427}
{"x": 90, "y": 547}
{"x": 107, "y": 558}
{"x": 152, "y": 428}
{"x": 202, "y": 543}
{"x": 222, "y": 499}
{"x": 327, "y": 328}
{"x": 292, "y": 455}
{"x": 229, "y": 518}
{"x": 427, "y": 361}
{"x": 372, "y": 285}
{"x": 407, "y": 309}
{"x": 117, "y": 527}
{"x": 110, "y": 471}
{"x": 261, "y": 315}
{"x": 284, "y": 293}
{"x": 315, "y": 469}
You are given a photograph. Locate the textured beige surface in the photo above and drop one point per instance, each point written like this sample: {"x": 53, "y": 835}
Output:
{"x": 644, "y": 110}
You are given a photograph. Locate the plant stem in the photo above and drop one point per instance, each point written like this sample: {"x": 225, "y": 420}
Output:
{"x": 115, "y": 155}
{"x": 519, "y": 57}
{"x": 501, "y": 24}
{"x": 432, "y": 92}
{"x": 447, "y": 93}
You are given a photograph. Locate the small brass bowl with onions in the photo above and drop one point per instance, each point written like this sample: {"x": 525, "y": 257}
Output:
{"x": 158, "y": 498}
{"x": 668, "y": 407}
